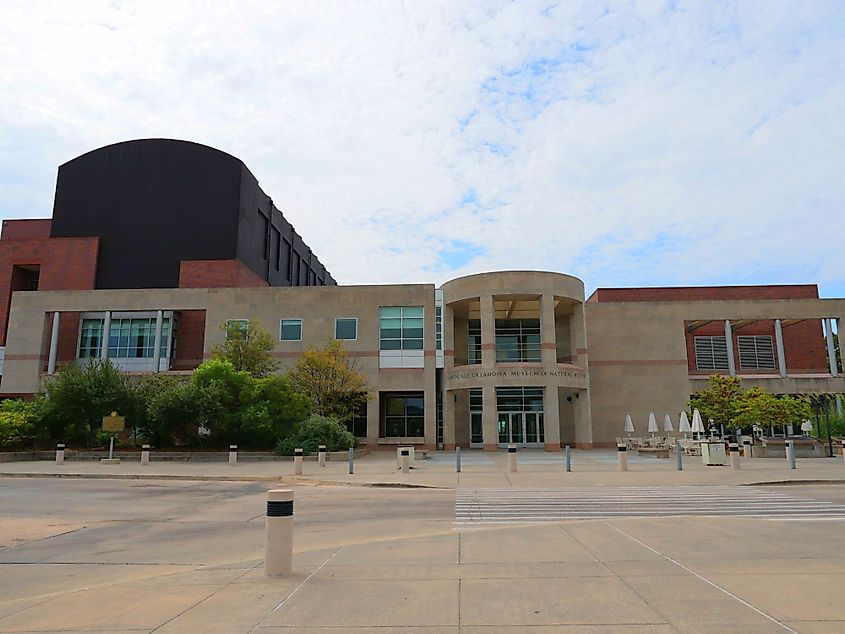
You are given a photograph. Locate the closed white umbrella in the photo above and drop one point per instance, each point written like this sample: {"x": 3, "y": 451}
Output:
{"x": 807, "y": 427}
{"x": 683, "y": 426}
{"x": 629, "y": 424}
{"x": 652, "y": 423}
{"x": 697, "y": 423}
{"x": 667, "y": 424}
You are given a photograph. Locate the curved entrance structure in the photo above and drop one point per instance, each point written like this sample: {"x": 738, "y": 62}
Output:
{"x": 515, "y": 362}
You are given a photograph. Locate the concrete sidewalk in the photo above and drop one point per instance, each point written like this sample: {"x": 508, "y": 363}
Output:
{"x": 537, "y": 469}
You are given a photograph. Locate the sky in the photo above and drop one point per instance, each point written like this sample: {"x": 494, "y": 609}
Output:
{"x": 627, "y": 143}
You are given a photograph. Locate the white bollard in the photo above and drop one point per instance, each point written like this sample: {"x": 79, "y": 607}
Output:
{"x": 278, "y": 533}
{"x": 622, "y": 456}
{"x": 734, "y": 449}
{"x": 512, "y": 458}
{"x": 60, "y": 453}
{"x": 746, "y": 449}
{"x": 297, "y": 462}
{"x": 233, "y": 454}
{"x": 145, "y": 454}
{"x": 790, "y": 453}
{"x": 405, "y": 460}
{"x": 321, "y": 455}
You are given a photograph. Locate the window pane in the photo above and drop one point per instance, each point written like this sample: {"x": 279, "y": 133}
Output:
{"x": 291, "y": 330}
{"x": 395, "y": 406}
{"x": 345, "y": 329}
{"x": 414, "y": 405}
{"x": 395, "y": 427}
{"x": 412, "y": 344}
{"x": 416, "y": 427}
{"x": 390, "y": 311}
{"x": 391, "y": 344}
{"x": 412, "y": 311}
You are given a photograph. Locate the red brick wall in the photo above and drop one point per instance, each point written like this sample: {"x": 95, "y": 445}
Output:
{"x": 803, "y": 345}
{"x": 65, "y": 264}
{"x": 33, "y": 229}
{"x": 190, "y": 340}
{"x": 705, "y": 293}
{"x": 217, "y": 274}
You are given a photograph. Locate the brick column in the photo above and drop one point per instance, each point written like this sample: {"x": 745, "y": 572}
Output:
{"x": 551, "y": 418}
{"x": 488, "y": 331}
{"x": 373, "y": 421}
{"x": 489, "y": 427}
{"x": 548, "y": 337}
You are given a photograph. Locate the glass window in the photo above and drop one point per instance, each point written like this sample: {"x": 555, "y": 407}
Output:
{"x": 90, "y": 338}
{"x": 236, "y": 326}
{"x": 132, "y": 338}
{"x": 404, "y": 415}
{"x": 357, "y": 425}
{"x": 438, "y": 328}
{"x": 346, "y": 328}
{"x": 473, "y": 341}
{"x": 517, "y": 340}
{"x": 290, "y": 330}
{"x": 401, "y": 328}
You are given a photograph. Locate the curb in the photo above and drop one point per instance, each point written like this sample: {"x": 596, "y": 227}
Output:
{"x": 775, "y": 483}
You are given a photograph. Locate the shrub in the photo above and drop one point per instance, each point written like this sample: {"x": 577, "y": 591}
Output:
{"x": 16, "y": 423}
{"x": 317, "y": 430}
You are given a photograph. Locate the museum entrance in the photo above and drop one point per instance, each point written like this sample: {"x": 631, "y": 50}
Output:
{"x": 519, "y": 417}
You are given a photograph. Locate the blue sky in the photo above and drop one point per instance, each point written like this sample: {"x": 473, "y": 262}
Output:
{"x": 627, "y": 143}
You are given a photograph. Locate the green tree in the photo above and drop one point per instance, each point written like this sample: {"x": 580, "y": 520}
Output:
{"x": 17, "y": 419}
{"x": 719, "y": 401}
{"x": 329, "y": 378}
{"x": 247, "y": 347}
{"x": 317, "y": 430}
{"x": 76, "y": 398}
{"x": 168, "y": 411}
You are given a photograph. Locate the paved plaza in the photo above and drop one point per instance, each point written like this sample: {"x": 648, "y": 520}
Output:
{"x": 541, "y": 550}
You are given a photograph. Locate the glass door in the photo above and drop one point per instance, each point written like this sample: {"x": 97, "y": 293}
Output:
{"x": 511, "y": 426}
{"x": 476, "y": 435}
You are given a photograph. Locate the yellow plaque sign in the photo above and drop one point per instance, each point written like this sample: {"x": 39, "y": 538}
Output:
{"x": 114, "y": 422}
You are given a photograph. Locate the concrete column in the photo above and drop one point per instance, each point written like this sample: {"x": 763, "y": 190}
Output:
{"x": 488, "y": 331}
{"x": 489, "y": 428}
{"x": 779, "y": 344}
{"x": 373, "y": 421}
{"x": 551, "y": 418}
{"x": 104, "y": 349}
{"x": 729, "y": 341}
{"x": 449, "y": 420}
{"x": 54, "y": 344}
{"x": 583, "y": 420}
{"x": 578, "y": 336}
{"x": 831, "y": 351}
{"x": 548, "y": 338}
{"x": 157, "y": 340}
{"x": 839, "y": 404}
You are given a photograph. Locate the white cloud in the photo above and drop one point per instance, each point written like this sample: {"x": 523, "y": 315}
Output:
{"x": 629, "y": 145}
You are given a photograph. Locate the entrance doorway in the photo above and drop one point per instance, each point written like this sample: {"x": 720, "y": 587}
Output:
{"x": 521, "y": 428}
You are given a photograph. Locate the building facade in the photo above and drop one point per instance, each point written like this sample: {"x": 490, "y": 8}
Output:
{"x": 483, "y": 361}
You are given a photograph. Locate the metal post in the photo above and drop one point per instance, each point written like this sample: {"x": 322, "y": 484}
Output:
{"x": 790, "y": 453}
{"x": 457, "y": 459}
{"x": 831, "y": 349}
{"x": 351, "y": 461}
{"x": 297, "y": 462}
{"x": 104, "y": 349}
{"x": 568, "y": 456}
{"x": 278, "y": 533}
{"x": 145, "y": 454}
{"x": 405, "y": 460}
{"x": 780, "y": 348}
{"x": 321, "y": 455}
{"x": 512, "y": 458}
{"x": 233, "y": 455}
{"x": 746, "y": 449}
{"x": 827, "y": 420}
{"x": 54, "y": 344}
{"x": 729, "y": 340}
{"x": 622, "y": 456}
{"x": 111, "y": 447}
{"x": 60, "y": 453}
{"x": 157, "y": 341}
{"x": 734, "y": 449}
{"x": 679, "y": 456}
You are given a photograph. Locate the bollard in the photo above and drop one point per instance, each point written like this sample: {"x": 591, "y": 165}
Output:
{"x": 679, "y": 456}
{"x": 746, "y": 449}
{"x": 568, "y": 455}
{"x": 297, "y": 462}
{"x": 405, "y": 460}
{"x": 145, "y": 454}
{"x": 278, "y": 533}
{"x": 60, "y": 453}
{"x": 512, "y": 458}
{"x": 233, "y": 455}
{"x": 351, "y": 461}
{"x": 321, "y": 455}
{"x": 457, "y": 459}
{"x": 734, "y": 450}
{"x": 622, "y": 456}
{"x": 790, "y": 453}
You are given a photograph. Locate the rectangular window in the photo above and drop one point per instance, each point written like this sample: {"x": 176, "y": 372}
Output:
{"x": 290, "y": 330}
{"x": 476, "y": 435}
{"x": 711, "y": 353}
{"x": 404, "y": 415}
{"x": 517, "y": 340}
{"x": 756, "y": 352}
{"x": 236, "y": 326}
{"x": 128, "y": 338}
{"x": 438, "y": 328}
{"x": 473, "y": 341}
{"x": 346, "y": 328}
{"x": 401, "y": 327}
{"x": 357, "y": 425}
{"x": 91, "y": 338}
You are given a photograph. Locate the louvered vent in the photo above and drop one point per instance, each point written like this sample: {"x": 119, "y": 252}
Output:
{"x": 711, "y": 353}
{"x": 756, "y": 352}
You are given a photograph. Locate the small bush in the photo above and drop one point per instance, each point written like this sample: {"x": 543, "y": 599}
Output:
{"x": 16, "y": 427}
{"x": 315, "y": 431}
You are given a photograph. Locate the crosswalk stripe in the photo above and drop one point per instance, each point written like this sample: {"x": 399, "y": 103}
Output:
{"x": 555, "y": 505}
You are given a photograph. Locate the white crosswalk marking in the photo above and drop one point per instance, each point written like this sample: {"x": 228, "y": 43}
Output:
{"x": 501, "y": 506}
